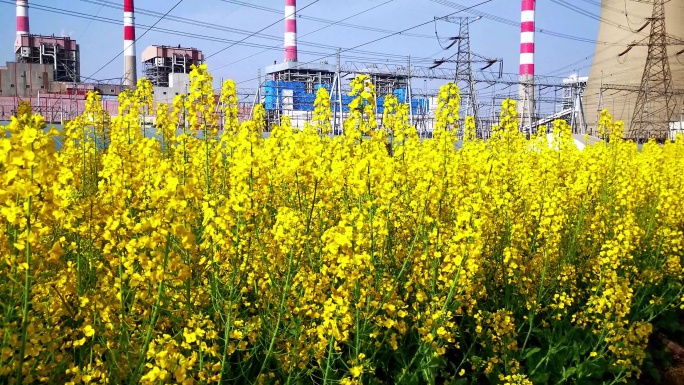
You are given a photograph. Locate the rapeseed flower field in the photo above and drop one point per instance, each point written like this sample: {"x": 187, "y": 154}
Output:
{"x": 368, "y": 258}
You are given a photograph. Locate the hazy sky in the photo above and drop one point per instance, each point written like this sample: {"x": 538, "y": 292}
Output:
{"x": 100, "y": 41}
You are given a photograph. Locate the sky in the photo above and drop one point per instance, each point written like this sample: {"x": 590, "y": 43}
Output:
{"x": 100, "y": 42}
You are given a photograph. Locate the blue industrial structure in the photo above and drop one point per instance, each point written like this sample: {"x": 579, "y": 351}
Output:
{"x": 303, "y": 99}
{"x": 290, "y": 89}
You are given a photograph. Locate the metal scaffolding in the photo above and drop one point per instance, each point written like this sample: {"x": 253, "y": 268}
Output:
{"x": 159, "y": 62}
{"x": 61, "y": 52}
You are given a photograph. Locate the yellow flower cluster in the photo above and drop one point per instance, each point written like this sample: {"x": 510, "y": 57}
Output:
{"x": 322, "y": 113}
{"x": 208, "y": 256}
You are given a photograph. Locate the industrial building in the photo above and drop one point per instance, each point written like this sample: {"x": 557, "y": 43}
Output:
{"x": 290, "y": 87}
{"x": 47, "y": 71}
{"x": 168, "y": 69}
{"x": 25, "y": 79}
{"x": 61, "y": 53}
{"x": 42, "y": 63}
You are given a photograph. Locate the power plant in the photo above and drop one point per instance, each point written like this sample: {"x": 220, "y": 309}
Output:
{"x": 637, "y": 73}
{"x": 42, "y": 63}
{"x": 47, "y": 71}
{"x": 290, "y": 87}
{"x": 168, "y": 69}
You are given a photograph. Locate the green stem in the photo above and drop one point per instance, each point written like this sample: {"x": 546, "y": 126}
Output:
{"x": 153, "y": 321}
{"x": 27, "y": 287}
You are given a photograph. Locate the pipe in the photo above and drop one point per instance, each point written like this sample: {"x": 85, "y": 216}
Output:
{"x": 130, "y": 72}
{"x": 290, "y": 30}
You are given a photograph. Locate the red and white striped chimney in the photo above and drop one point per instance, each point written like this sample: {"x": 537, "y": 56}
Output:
{"x": 291, "y": 30}
{"x": 527, "y": 38}
{"x": 526, "y": 102}
{"x": 22, "y": 22}
{"x": 130, "y": 73}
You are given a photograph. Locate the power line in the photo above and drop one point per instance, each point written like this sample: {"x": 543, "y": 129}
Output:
{"x": 402, "y": 31}
{"x": 517, "y": 24}
{"x": 266, "y": 27}
{"x": 590, "y": 56}
{"x": 388, "y": 36}
{"x": 590, "y": 15}
{"x": 89, "y": 24}
{"x": 178, "y": 19}
{"x": 569, "y": 65}
{"x": 212, "y": 38}
{"x": 320, "y": 20}
{"x": 307, "y": 34}
{"x": 137, "y": 38}
{"x": 201, "y": 23}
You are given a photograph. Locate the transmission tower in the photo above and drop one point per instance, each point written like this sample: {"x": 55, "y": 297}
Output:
{"x": 655, "y": 103}
{"x": 464, "y": 60}
{"x": 464, "y": 67}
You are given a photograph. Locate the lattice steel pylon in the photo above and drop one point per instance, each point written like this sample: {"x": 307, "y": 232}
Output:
{"x": 655, "y": 103}
{"x": 464, "y": 67}
{"x": 464, "y": 76}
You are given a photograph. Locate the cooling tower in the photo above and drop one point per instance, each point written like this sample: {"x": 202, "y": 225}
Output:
{"x": 621, "y": 20}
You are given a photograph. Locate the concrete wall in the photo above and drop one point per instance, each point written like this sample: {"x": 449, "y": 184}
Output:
{"x": 178, "y": 84}
{"x": 25, "y": 79}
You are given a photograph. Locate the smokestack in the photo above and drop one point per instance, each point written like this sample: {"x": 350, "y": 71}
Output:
{"x": 22, "y": 21}
{"x": 526, "y": 107}
{"x": 291, "y": 30}
{"x": 130, "y": 72}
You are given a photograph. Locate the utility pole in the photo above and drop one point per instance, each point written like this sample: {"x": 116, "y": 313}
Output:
{"x": 409, "y": 91}
{"x": 339, "y": 86}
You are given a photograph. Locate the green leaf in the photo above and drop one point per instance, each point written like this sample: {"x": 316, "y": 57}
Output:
{"x": 530, "y": 352}
{"x": 540, "y": 378}
{"x": 569, "y": 372}
{"x": 460, "y": 381}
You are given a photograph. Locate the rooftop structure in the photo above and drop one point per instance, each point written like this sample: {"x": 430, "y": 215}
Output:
{"x": 308, "y": 74}
{"x": 160, "y": 62}
{"x": 290, "y": 89}
{"x": 386, "y": 79}
{"x": 62, "y": 53}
